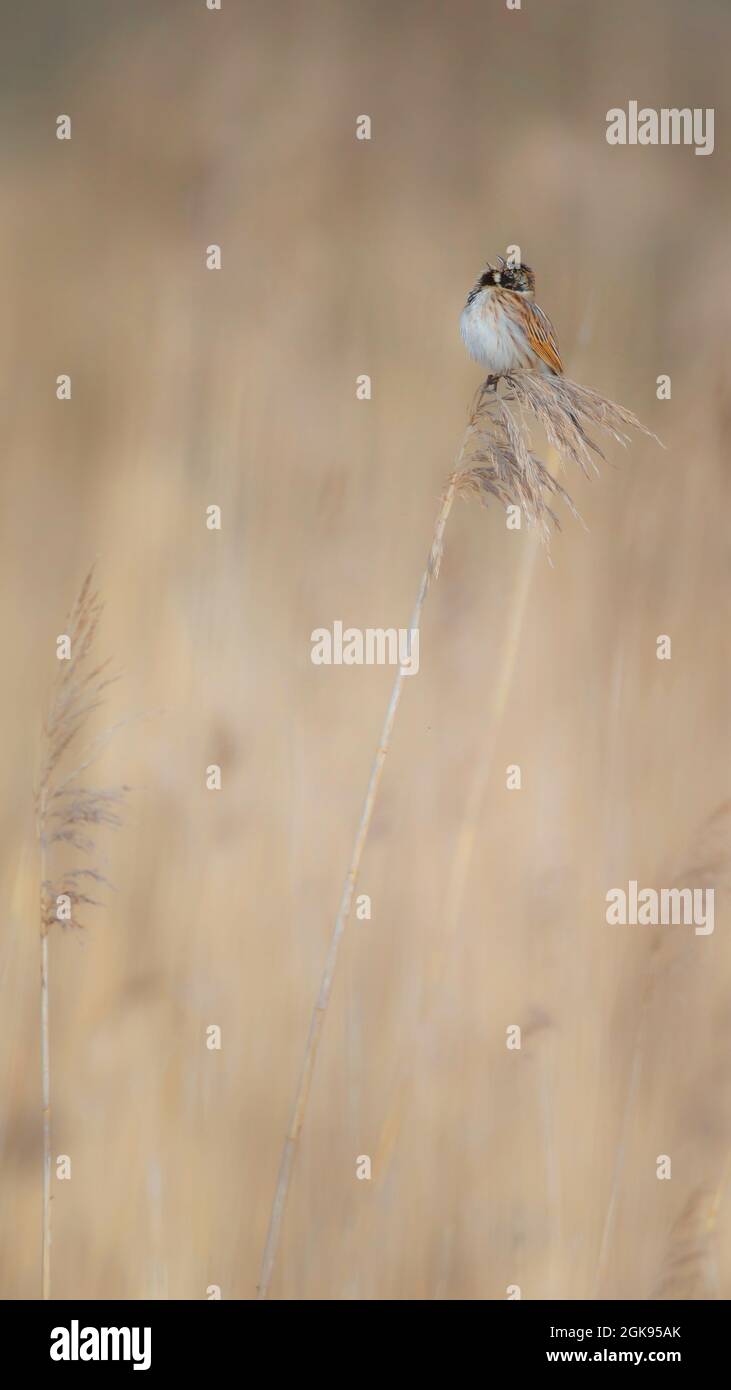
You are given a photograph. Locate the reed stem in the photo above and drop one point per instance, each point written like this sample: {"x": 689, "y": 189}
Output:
{"x": 323, "y": 997}
{"x": 46, "y": 1088}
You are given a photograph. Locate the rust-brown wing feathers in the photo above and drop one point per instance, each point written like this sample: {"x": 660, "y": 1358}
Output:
{"x": 542, "y": 339}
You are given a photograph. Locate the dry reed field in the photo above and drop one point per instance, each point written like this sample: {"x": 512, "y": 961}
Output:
{"x": 593, "y": 1160}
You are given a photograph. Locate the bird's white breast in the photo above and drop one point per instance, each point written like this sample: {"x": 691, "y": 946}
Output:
{"x": 491, "y": 336}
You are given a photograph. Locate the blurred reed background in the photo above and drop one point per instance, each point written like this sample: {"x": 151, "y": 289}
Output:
{"x": 341, "y": 257}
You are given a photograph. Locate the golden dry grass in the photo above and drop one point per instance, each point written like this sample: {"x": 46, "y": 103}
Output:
{"x": 191, "y": 388}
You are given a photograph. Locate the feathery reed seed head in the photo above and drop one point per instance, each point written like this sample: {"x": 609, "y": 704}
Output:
{"x": 67, "y": 809}
{"x": 499, "y": 461}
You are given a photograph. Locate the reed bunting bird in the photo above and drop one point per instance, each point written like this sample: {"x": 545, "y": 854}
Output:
{"x": 502, "y": 327}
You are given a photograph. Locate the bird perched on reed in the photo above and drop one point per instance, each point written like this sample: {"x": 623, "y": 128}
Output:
{"x": 504, "y": 329}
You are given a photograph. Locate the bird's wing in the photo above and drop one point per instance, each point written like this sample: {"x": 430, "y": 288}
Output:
{"x": 540, "y": 334}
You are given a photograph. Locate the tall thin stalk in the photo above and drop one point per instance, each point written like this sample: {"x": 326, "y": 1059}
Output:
{"x": 67, "y": 810}
{"x": 46, "y": 1090}
{"x": 323, "y": 998}
{"x": 495, "y": 462}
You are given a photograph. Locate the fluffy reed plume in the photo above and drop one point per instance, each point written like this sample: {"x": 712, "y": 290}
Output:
{"x": 68, "y": 812}
{"x": 496, "y": 459}
{"x": 501, "y": 461}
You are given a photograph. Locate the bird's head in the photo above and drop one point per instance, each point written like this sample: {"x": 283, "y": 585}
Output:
{"x": 505, "y": 276}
